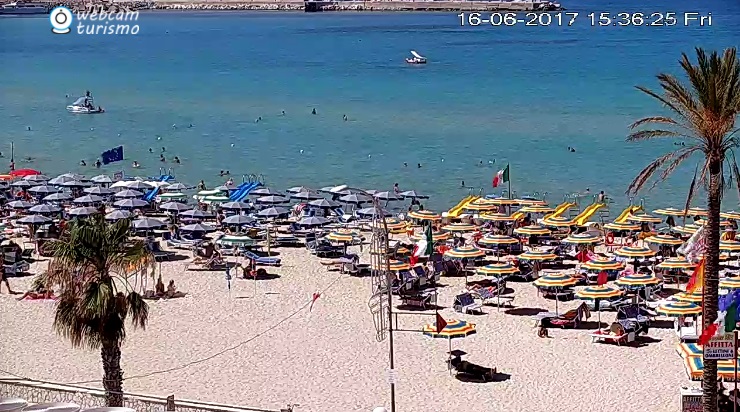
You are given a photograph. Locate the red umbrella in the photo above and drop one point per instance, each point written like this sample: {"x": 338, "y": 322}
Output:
{"x": 24, "y": 172}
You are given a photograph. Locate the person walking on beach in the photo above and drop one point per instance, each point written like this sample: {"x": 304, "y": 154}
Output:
{"x": 3, "y": 278}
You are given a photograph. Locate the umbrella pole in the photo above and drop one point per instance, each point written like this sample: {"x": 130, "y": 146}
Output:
{"x": 556, "y": 301}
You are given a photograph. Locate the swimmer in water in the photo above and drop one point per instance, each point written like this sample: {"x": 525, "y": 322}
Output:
{"x": 161, "y": 158}
{"x": 177, "y": 160}
{"x": 98, "y": 163}
{"x": 29, "y": 128}
{"x": 82, "y": 163}
{"x": 312, "y": 112}
{"x": 150, "y": 150}
{"x": 221, "y": 173}
{"x": 282, "y": 113}
{"x": 418, "y": 165}
{"x": 190, "y": 126}
{"x": 228, "y": 173}
{"x": 344, "y": 117}
{"x": 405, "y": 164}
{"x": 135, "y": 165}
{"x": 257, "y": 120}
{"x": 462, "y": 183}
{"x": 174, "y": 126}
{"x": 163, "y": 149}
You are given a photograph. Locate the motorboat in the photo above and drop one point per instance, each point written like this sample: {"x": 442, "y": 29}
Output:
{"x": 85, "y": 105}
{"x": 416, "y": 58}
{"x": 24, "y": 8}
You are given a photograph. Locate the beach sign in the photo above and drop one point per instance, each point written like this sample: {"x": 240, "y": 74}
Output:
{"x": 720, "y": 347}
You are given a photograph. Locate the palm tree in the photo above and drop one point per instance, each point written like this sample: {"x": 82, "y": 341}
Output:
{"x": 703, "y": 112}
{"x": 90, "y": 263}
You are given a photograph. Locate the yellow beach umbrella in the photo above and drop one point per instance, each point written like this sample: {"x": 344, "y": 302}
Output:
{"x": 395, "y": 266}
{"x": 391, "y": 224}
{"x": 503, "y": 201}
{"x": 730, "y": 283}
{"x": 537, "y": 255}
{"x": 530, "y": 202}
{"x": 497, "y": 240}
{"x": 729, "y": 245}
{"x": 582, "y": 239}
{"x": 459, "y": 227}
{"x": 537, "y": 209}
{"x": 497, "y": 269}
{"x": 697, "y": 211}
{"x": 679, "y": 309}
{"x": 532, "y": 230}
{"x": 622, "y": 227}
{"x": 644, "y": 218}
{"x": 676, "y": 263}
{"x": 555, "y": 280}
{"x": 481, "y": 205}
{"x": 696, "y": 296}
{"x": 464, "y": 252}
{"x": 496, "y": 217}
{"x": 557, "y": 221}
{"x": 423, "y": 215}
{"x": 665, "y": 240}
{"x": 730, "y": 215}
{"x": 602, "y": 264}
{"x": 637, "y": 280}
{"x": 341, "y": 237}
{"x": 598, "y": 292}
{"x": 436, "y": 236}
{"x": 685, "y": 230}
{"x": 635, "y": 252}
{"x": 669, "y": 211}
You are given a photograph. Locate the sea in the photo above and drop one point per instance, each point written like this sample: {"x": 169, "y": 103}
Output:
{"x": 211, "y": 89}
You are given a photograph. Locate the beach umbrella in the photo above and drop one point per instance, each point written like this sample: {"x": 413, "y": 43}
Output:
{"x": 322, "y": 203}
{"x": 266, "y": 191}
{"x": 57, "y": 197}
{"x": 313, "y": 221}
{"x": 459, "y": 227}
{"x": 103, "y": 179}
{"x": 555, "y": 280}
{"x": 24, "y": 172}
{"x": 34, "y": 220}
{"x": 146, "y": 223}
{"x": 452, "y": 329}
{"x": 215, "y": 199}
{"x": 19, "y": 204}
{"x": 664, "y": 240}
{"x": 24, "y": 183}
{"x": 481, "y": 205}
{"x": 411, "y": 194}
{"x": 97, "y": 190}
{"x": 730, "y": 215}
{"x": 637, "y": 280}
{"x": 299, "y": 189}
{"x": 600, "y": 264}
{"x": 668, "y": 211}
{"x": 391, "y": 224}
{"x": 273, "y": 212}
{"x": 394, "y": 266}
{"x": 678, "y": 309}
{"x": 503, "y": 201}
{"x": 43, "y": 190}
{"x": 175, "y": 207}
{"x": 464, "y": 252}
{"x": 176, "y": 187}
{"x": 537, "y": 209}
{"x": 497, "y": 269}
{"x": 88, "y": 199}
{"x": 37, "y": 178}
{"x": 726, "y": 368}
{"x": 235, "y": 206}
{"x": 697, "y": 211}
{"x": 644, "y": 218}
{"x": 370, "y": 211}
{"x": 496, "y": 217}
{"x": 531, "y": 202}
{"x": 273, "y": 200}
{"x": 598, "y": 292}
{"x": 43, "y": 209}
{"x": 696, "y": 296}
{"x": 199, "y": 214}
{"x": 121, "y": 184}
{"x": 305, "y": 196}
{"x": 130, "y": 203}
{"x": 387, "y": 196}
{"x": 635, "y": 252}
{"x": 355, "y": 198}
{"x": 622, "y": 227}
{"x": 729, "y": 245}
{"x": 118, "y": 215}
{"x": 138, "y": 185}
{"x": 532, "y": 230}
{"x": 83, "y": 211}
{"x": 237, "y": 220}
{"x": 582, "y": 239}
{"x": 127, "y": 194}
{"x": 341, "y": 237}
{"x": 558, "y": 221}
{"x": 172, "y": 196}
{"x": 423, "y": 215}
{"x": 495, "y": 240}
{"x": 198, "y": 227}
{"x": 74, "y": 183}
{"x": 688, "y": 229}
{"x": 730, "y": 283}
{"x": 436, "y": 236}
{"x": 536, "y": 255}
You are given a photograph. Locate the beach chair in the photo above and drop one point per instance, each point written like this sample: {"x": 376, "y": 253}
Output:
{"x": 465, "y": 303}
{"x": 417, "y": 298}
{"x": 490, "y": 296}
{"x": 559, "y": 294}
{"x": 471, "y": 370}
{"x": 616, "y": 333}
{"x": 155, "y": 248}
{"x": 262, "y": 260}
{"x": 569, "y": 319}
{"x": 636, "y": 313}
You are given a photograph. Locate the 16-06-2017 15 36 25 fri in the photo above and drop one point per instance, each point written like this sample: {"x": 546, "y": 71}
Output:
{"x": 593, "y": 19}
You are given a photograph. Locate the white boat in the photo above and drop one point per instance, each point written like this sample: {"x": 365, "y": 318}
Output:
{"x": 23, "y": 8}
{"x": 84, "y": 105}
{"x": 416, "y": 58}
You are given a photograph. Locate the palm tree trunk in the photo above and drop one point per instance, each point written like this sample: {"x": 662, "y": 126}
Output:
{"x": 711, "y": 279}
{"x": 110, "y": 353}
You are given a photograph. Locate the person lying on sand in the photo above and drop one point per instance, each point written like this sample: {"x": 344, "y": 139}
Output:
{"x": 37, "y": 293}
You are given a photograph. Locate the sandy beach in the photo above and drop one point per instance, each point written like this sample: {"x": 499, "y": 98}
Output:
{"x": 329, "y": 360}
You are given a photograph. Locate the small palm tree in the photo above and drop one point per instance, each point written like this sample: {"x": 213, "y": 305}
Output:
{"x": 703, "y": 112}
{"x": 90, "y": 263}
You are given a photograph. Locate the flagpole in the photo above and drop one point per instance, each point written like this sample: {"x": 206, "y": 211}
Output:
{"x": 509, "y": 170}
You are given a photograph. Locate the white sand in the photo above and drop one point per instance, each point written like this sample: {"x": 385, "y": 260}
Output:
{"x": 329, "y": 360}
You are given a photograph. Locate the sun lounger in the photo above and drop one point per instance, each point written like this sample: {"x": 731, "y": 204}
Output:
{"x": 635, "y": 313}
{"x": 612, "y": 335}
{"x": 465, "y": 303}
{"x": 569, "y": 319}
{"x": 561, "y": 294}
{"x": 418, "y": 298}
{"x": 489, "y": 296}
{"x": 156, "y": 249}
{"x": 263, "y": 260}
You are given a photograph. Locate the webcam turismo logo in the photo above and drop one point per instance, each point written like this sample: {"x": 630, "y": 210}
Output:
{"x": 94, "y": 20}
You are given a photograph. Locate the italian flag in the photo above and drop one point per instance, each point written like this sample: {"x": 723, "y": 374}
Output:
{"x": 501, "y": 177}
{"x": 424, "y": 247}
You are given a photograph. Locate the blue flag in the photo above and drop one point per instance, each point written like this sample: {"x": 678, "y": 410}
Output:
{"x": 726, "y": 301}
{"x": 112, "y": 155}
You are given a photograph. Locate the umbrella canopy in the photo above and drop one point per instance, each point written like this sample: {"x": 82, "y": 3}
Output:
{"x": 730, "y": 215}
{"x": 43, "y": 190}
{"x": 622, "y": 227}
{"x": 665, "y": 240}
{"x": 371, "y": 211}
{"x": 273, "y": 212}
{"x": 637, "y": 280}
{"x": 726, "y": 369}
{"x": 459, "y": 227}
{"x": 198, "y": 227}
{"x": 730, "y": 283}
{"x": 19, "y": 204}
{"x": 266, "y": 191}
{"x": 496, "y": 240}
{"x": 676, "y": 263}
{"x": 453, "y": 329}
{"x": 689, "y": 229}
{"x": 355, "y": 198}
{"x": 57, "y": 197}
{"x": 83, "y": 211}
{"x": 436, "y": 236}
{"x": 24, "y": 172}
{"x": 558, "y": 221}
{"x": 635, "y": 252}
{"x": 103, "y": 179}
{"x": 37, "y": 178}
{"x": 729, "y": 245}
{"x": 555, "y": 280}
{"x": 235, "y": 206}
{"x": 118, "y": 215}
{"x": 138, "y": 185}
{"x": 679, "y": 309}
{"x": 42, "y": 209}
{"x": 199, "y": 214}
{"x": 88, "y": 199}
{"x": 34, "y": 220}
{"x": 503, "y": 201}
{"x": 391, "y": 224}
{"x": 689, "y": 349}
{"x": 644, "y": 218}
{"x": 237, "y": 220}
{"x": 497, "y": 217}
{"x": 423, "y": 215}
{"x": 387, "y": 196}
{"x": 668, "y": 211}
{"x": 146, "y": 223}
{"x": 696, "y": 296}
{"x": 602, "y": 264}
{"x": 342, "y": 237}
{"x": 174, "y": 207}
{"x": 598, "y": 292}
{"x": 537, "y": 255}
{"x": 582, "y": 238}
{"x": 130, "y": 203}
{"x": 537, "y": 209}
{"x": 176, "y": 187}
{"x": 24, "y": 183}
{"x": 171, "y": 196}
{"x": 298, "y": 189}
{"x": 126, "y": 194}
{"x": 532, "y": 230}
{"x": 394, "y": 266}
{"x": 697, "y": 211}
{"x": 272, "y": 200}
{"x": 497, "y": 269}
{"x": 322, "y": 203}
{"x": 305, "y": 196}
{"x": 74, "y": 183}
{"x": 481, "y": 205}
{"x": 411, "y": 194}
{"x": 313, "y": 221}
{"x": 464, "y": 252}
{"x": 97, "y": 190}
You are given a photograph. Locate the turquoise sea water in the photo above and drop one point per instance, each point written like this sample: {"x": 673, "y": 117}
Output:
{"x": 518, "y": 95}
